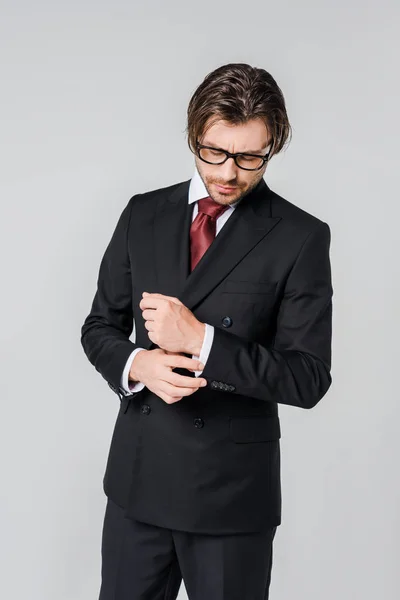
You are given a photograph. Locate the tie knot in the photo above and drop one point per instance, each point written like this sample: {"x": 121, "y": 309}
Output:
{"x": 209, "y": 207}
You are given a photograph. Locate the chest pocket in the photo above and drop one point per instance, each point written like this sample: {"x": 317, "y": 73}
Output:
{"x": 248, "y": 303}
{"x": 248, "y": 288}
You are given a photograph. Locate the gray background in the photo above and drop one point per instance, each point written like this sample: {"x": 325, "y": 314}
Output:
{"x": 92, "y": 94}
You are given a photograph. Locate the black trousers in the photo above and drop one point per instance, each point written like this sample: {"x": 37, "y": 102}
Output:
{"x": 146, "y": 562}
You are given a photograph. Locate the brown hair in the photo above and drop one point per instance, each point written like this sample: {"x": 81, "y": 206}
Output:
{"x": 238, "y": 92}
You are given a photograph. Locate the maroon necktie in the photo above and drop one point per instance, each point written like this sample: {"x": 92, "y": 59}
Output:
{"x": 203, "y": 228}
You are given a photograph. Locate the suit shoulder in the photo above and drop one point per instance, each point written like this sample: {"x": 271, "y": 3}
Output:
{"x": 154, "y": 195}
{"x": 281, "y": 207}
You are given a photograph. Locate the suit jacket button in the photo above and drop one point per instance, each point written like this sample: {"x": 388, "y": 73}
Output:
{"x": 198, "y": 422}
{"x": 226, "y": 321}
{"x": 145, "y": 409}
{"x": 214, "y": 385}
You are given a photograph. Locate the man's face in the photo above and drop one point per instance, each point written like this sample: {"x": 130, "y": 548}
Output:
{"x": 251, "y": 137}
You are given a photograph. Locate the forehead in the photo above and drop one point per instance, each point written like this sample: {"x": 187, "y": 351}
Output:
{"x": 243, "y": 137}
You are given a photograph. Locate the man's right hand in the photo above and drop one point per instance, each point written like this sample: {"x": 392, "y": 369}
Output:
{"x": 154, "y": 369}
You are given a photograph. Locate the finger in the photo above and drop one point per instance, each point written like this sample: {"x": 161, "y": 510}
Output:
{"x": 147, "y": 302}
{"x": 170, "y": 392}
{"x": 157, "y": 295}
{"x": 177, "y": 391}
{"x": 183, "y": 362}
{"x": 184, "y": 381}
{"x": 149, "y": 314}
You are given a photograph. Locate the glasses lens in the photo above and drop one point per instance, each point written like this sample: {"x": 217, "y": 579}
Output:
{"x": 249, "y": 162}
{"x": 212, "y": 156}
{"x": 216, "y": 157}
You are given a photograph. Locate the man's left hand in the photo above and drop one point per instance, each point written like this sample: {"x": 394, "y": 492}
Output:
{"x": 171, "y": 325}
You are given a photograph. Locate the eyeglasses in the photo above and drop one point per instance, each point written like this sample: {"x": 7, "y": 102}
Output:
{"x": 217, "y": 156}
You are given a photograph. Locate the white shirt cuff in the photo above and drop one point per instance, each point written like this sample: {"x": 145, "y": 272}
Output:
{"x": 206, "y": 347}
{"x": 127, "y": 387}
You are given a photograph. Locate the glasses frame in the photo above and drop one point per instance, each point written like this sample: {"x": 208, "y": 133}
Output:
{"x": 231, "y": 155}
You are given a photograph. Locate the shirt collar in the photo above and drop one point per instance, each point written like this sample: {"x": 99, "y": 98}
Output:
{"x": 198, "y": 190}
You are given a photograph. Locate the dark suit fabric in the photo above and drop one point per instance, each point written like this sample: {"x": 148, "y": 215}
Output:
{"x": 147, "y": 562}
{"x": 210, "y": 463}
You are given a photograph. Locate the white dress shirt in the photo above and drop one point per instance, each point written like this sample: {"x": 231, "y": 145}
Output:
{"x": 197, "y": 190}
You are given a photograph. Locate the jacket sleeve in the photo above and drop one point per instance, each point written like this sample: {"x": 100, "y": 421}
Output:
{"x": 295, "y": 368}
{"x": 106, "y": 330}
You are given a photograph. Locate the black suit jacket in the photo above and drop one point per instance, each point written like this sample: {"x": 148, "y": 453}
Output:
{"x": 210, "y": 463}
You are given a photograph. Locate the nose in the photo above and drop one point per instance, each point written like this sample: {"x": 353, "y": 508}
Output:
{"x": 228, "y": 170}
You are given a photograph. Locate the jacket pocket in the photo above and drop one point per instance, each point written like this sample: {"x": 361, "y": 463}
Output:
{"x": 235, "y": 286}
{"x": 254, "y": 428}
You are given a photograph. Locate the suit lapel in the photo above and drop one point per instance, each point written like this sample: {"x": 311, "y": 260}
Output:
{"x": 249, "y": 223}
{"x": 171, "y": 240}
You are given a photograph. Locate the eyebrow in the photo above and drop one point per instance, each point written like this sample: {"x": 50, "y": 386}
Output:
{"x": 241, "y": 152}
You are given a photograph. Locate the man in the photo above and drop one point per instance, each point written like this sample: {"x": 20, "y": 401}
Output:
{"x": 229, "y": 287}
